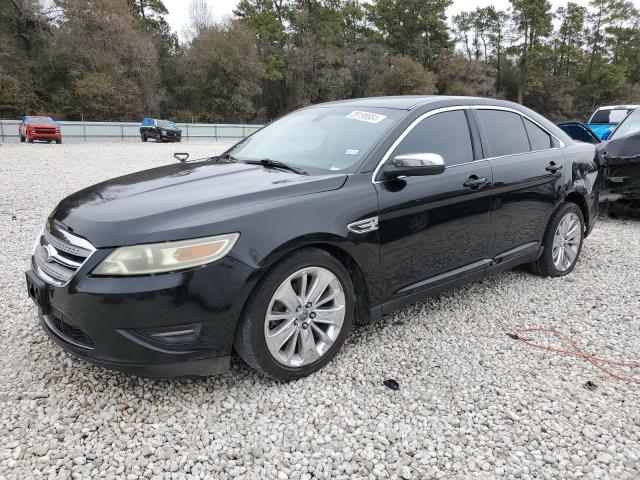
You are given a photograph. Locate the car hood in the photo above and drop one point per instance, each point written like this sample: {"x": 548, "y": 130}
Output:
{"x": 180, "y": 201}
{"x": 624, "y": 150}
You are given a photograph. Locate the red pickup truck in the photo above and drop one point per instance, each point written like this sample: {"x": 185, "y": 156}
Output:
{"x": 39, "y": 128}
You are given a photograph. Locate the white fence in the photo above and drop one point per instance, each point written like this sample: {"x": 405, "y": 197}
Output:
{"x": 123, "y": 131}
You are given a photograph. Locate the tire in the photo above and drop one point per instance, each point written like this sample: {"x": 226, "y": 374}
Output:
{"x": 22, "y": 139}
{"x": 545, "y": 265}
{"x": 250, "y": 340}
{"x": 159, "y": 139}
{"x": 58, "y": 141}
{"x": 30, "y": 139}
{"x": 143, "y": 137}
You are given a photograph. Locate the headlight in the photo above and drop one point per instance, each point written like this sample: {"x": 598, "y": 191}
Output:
{"x": 163, "y": 132}
{"x": 166, "y": 257}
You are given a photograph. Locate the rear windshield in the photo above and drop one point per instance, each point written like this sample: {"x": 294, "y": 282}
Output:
{"x": 47, "y": 120}
{"x": 610, "y": 115}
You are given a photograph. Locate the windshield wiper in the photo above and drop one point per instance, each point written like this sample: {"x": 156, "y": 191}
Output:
{"x": 267, "y": 162}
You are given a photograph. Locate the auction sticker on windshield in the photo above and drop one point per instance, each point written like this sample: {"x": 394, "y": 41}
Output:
{"x": 366, "y": 116}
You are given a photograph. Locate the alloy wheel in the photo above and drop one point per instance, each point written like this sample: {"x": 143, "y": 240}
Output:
{"x": 566, "y": 242}
{"x": 304, "y": 317}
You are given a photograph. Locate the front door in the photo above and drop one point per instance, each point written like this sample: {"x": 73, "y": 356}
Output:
{"x": 434, "y": 229}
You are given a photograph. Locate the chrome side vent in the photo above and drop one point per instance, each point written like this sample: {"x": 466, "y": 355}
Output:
{"x": 364, "y": 226}
{"x": 58, "y": 254}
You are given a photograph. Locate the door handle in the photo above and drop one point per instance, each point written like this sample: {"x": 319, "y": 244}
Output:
{"x": 474, "y": 182}
{"x": 554, "y": 167}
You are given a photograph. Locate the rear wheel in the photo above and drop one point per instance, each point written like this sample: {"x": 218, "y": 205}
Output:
{"x": 562, "y": 242}
{"x": 298, "y": 317}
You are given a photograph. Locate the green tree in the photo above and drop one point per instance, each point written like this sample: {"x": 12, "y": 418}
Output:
{"x": 225, "y": 73}
{"x": 416, "y": 28}
{"x": 533, "y": 22}
{"x": 405, "y": 77}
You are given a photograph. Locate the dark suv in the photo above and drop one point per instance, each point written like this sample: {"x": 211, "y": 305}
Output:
{"x": 333, "y": 214}
{"x": 160, "y": 130}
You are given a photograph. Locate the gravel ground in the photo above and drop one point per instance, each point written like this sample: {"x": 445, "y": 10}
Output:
{"x": 472, "y": 402}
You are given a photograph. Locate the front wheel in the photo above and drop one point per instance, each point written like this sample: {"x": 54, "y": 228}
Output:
{"x": 562, "y": 242}
{"x": 22, "y": 139}
{"x": 58, "y": 141}
{"x": 143, "y": 137}
{"x": 298, "y": 317}
{"x": 30, "y": 139}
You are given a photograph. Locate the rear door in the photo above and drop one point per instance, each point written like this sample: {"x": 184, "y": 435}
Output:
{"x": 434, "y": 229}
{"x": 527, "y": 180}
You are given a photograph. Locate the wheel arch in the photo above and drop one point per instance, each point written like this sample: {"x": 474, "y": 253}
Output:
{"x": 578, "y": 199}
{"x": 334, "y": 246}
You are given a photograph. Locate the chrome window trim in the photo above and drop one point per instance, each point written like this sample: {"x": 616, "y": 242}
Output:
{"x": 463, "y": 107}
{"x": 406, "y": 132}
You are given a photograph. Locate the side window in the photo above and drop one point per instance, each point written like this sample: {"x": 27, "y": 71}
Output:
{"x": 446, "y": 134}
{"x": 538, "y": 138}
{"x": 504, "y": 132}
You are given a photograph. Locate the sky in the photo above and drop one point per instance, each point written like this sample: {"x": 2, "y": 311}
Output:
{"x": 178, "y": 15}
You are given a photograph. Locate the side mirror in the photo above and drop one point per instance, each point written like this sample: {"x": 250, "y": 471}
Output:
{"x": 414, "y": 165}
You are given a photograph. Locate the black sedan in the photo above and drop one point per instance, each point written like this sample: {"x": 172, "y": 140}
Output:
{"x": 334, "y": 214}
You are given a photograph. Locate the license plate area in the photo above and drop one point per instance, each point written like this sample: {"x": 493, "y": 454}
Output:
{"x": 38, "y": 291}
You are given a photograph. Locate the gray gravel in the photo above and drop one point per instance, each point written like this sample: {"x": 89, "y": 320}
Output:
{"x": 472, "y": 402}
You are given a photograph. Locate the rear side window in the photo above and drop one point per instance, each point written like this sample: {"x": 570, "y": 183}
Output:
{"x": 538, "y": 138}
{"x": 504, "y": 131}
{"x": 446, "y": 134}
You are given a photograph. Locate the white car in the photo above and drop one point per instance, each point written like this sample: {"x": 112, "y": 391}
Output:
{"x": 604, "y": 119}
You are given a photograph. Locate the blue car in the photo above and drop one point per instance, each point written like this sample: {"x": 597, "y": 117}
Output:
{"x": 605, "y": 119}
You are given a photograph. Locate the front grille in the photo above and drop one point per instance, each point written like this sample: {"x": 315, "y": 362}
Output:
{"x": 70, "y": 332}
{"x": 44, "y": 130}
{"x": 58, "y": 254}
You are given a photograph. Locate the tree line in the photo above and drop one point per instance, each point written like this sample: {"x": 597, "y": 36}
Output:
{"x": 119, "y": 59}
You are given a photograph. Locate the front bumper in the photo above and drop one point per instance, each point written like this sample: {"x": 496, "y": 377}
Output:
{"x": 128, "y": 323}
{"x": 45, "y": 136}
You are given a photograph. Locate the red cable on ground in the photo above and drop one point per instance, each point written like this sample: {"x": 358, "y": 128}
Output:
{"x": 577, "y": 352}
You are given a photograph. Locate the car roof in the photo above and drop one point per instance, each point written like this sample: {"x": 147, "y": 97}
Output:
{"x": 613, "y": 107}
{"x": 400, "y": 102}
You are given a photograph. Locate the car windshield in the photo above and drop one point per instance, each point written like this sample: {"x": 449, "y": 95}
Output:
{"x": 630, "y": 125}
{"x": 610, "y": 115}
{"x": 44, "y": 120}
{"x": 323, "y": 138}
{"x": 166, "y": 124}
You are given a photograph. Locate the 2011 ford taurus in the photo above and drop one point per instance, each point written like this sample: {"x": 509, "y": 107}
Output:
{"x": 334, "y": 214}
